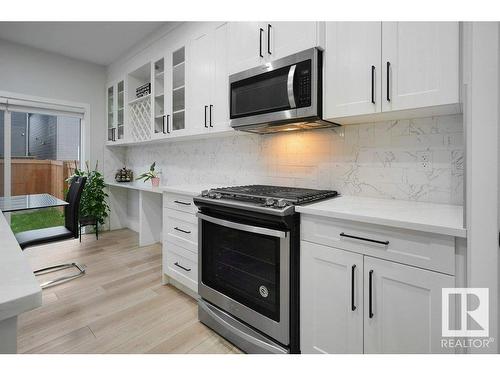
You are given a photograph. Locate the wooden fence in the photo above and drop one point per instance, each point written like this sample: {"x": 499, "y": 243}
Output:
{"x": 32, "y": 176}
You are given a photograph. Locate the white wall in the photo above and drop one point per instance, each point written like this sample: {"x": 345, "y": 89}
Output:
{"x": 30, "y": 71}
{"x": 482, "y": 117}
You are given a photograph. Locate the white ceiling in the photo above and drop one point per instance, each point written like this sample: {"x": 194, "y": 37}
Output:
{"x": 97, "y": 42}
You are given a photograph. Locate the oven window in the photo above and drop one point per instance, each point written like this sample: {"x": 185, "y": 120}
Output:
{"x": 244, "y": 266}
{"x": 264, "y": 93}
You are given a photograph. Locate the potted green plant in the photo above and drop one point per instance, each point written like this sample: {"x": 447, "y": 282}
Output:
{"x": 93, "y": 204}
{"x": 151, "y": 175}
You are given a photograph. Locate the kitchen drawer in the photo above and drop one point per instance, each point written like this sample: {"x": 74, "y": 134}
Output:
{"x": 426, "y": 250}
{"x": 181, "y": 228}
{"x": 179, "y": 202}
{"x": 181, "y": 265}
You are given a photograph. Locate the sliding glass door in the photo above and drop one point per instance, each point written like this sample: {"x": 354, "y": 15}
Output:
{"x": 2, "y": 158}
{"x": 39, "y": 150}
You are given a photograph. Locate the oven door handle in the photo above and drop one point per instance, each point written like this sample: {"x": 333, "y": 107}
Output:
{"x": 243, "y": 227}
{"x": 291, "y": 94}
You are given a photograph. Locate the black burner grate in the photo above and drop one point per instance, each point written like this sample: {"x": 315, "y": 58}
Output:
{"x": 291, "y": 194}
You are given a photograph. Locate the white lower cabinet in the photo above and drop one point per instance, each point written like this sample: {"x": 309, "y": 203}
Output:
{"x": 405, "y": 308}
{"x": 180, "y": 240}
{"x": 331, "y": 300}
{"x": 403, "y": 314}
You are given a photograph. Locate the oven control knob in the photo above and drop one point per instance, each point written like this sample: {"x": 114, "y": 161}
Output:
{"x": 269, "y": 202}
{"x": 204, "y": 193}
{"x": 218, "y": 195}
{"x": 263, "y": 291}
{"x": 281, "y": 203}
{"x": 211, "y": 195}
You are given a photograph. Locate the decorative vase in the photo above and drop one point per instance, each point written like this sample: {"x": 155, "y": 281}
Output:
{"x": 155, "y": 181}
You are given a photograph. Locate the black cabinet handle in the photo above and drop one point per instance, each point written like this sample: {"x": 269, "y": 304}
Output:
{"x": 261, "y": 30}
{"x": 353, "y": 306}
{"x": 364, "y": 239}
{"x": 388, "y": 80}
{"x": 168, "y": 118}
{"x": 181, "y": 267}
{"x": 210, "y": 116}
{"x": 206, "y": 116}
{"x": 163, "y": 124}
{"x": 184, "y": 203}
{"x": 373, "y": 84}
{"x": 182, "y": 230}
{"x": 370, "y": 294}
{"x": 269, "y": 27}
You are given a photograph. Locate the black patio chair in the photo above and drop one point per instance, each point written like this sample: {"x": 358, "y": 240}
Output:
{"x": 55, "y": 234}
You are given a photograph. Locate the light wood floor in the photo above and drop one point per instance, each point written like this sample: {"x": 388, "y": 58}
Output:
{"x": 119, "y": 306}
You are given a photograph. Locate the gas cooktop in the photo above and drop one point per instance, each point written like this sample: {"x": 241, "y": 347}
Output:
{"x": 276, "y": 200}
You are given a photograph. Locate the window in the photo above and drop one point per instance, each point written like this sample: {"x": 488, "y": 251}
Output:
{"x": 39, "y": 150}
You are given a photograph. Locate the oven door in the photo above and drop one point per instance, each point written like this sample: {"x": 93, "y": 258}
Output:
{"x": 244, "y": 270}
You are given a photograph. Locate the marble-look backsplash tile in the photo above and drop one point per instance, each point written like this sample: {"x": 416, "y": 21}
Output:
{"x": 380, "y": 159}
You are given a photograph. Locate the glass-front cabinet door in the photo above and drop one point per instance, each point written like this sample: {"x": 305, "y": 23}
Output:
{"x": 110, "y": 105}
{"x": 159, "y": 108}
{"x": 120, "y": 119}
{"x": 178, "y": 91}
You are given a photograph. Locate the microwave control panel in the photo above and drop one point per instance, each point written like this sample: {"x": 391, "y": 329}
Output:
{"x": 302, "y": 84}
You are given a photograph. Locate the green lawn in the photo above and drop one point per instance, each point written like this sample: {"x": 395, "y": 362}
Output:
{"x": 50, "y": 217}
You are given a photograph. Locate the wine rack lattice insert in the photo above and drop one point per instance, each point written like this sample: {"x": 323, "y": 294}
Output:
{"x": 140, "y": 120}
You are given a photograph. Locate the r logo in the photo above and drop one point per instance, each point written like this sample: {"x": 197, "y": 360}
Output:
{"x": 473, "y": 312}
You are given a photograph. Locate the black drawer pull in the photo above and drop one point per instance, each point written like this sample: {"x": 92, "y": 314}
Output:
{"x": 388, "y": 81}
{"x": 353, "y": 306}
{"x": 370, "y": 294}
{"x": 261, "y": 31}
{"x": 182, "y": 230}
{"x": 184, "y": 203}
{"x": 373, "y": 84}
{"x": 364, "y": 239}
{"x": 184, "y": 268}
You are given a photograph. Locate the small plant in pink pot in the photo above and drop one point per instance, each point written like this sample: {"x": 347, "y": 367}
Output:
{"x": 151, "y": 175}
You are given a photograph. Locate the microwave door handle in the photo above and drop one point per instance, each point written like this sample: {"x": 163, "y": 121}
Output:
{"x": 291, "y": 94}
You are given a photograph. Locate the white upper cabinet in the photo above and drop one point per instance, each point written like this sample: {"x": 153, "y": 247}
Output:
{"x": 255, "y": 43}
{"x": 208, "y": 81}
{"x": 420, "y": 64}
{"x": 414, "y": 65}
{"x": 403, "y": 314}
{"x": 219, "y": 96}
{"x": 247, "y": 45}
{"x": 331, "y": 300}
{"x": 200, "y": 80}
{"x": 287, "y": 38}
{"x": 352, "y": 63}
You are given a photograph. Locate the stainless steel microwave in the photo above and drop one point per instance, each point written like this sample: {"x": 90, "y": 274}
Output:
{"x": 282, "y": 95}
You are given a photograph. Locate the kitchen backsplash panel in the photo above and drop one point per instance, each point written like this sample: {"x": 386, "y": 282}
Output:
{"x": 417, "y": 159}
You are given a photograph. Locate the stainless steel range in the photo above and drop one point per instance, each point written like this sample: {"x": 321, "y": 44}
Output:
{"x": 249, "y": 264}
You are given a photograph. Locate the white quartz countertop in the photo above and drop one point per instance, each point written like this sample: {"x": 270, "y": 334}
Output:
{"x": 188, "y": 189}
{"x": 427, "y": 217}
{"x": 19, "y": 290}
{"x": 139, "y": 185}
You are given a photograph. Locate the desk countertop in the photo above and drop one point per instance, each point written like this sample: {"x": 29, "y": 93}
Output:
{"x": 19, "y": 290}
